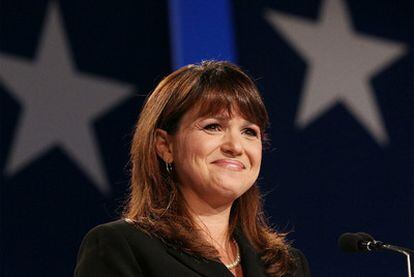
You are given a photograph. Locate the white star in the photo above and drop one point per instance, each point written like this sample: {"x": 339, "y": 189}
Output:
{"x": 59, "y": 105}
{"x": 341, "y": 65}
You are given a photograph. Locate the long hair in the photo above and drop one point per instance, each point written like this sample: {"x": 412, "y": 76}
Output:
{"x": 155, "y": 202}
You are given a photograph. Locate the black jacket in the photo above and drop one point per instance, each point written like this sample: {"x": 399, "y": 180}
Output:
{"x": 119, "y": 249}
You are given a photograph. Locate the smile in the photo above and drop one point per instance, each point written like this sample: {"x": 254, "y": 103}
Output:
{"x": 230, "y": 164}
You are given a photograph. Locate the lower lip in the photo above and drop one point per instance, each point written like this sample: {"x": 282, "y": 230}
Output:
{"x": 230, "y": 166}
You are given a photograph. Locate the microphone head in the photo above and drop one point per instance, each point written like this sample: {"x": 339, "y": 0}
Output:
{"x": 348, "y": 242}
{"x": 365, "y": 237}
{"x": 352, "y": 242}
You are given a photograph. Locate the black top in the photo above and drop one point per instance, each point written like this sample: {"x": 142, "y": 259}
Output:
{"x": 119, "y": 249}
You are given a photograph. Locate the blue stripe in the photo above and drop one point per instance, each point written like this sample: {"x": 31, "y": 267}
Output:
{"x": 200, "y": 30}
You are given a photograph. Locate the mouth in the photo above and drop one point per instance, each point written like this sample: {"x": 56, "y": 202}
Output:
{"x": 230, "y": 164}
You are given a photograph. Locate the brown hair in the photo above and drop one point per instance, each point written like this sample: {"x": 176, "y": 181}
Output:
{"x": 156, "y": 203}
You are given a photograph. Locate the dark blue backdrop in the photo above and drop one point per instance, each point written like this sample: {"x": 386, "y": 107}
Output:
{"x": 336, "y": 76}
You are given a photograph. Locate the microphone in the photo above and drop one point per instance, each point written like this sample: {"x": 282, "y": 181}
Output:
{"x": 363, "y": 242}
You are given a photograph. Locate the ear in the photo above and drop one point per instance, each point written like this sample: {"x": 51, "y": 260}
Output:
{"x": 163, "y": 145}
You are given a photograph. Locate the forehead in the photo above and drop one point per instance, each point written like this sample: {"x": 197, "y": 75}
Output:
{"x": 224, "y": 114}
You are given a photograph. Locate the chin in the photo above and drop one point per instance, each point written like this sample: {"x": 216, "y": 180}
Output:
{"x": 231, "y": 192}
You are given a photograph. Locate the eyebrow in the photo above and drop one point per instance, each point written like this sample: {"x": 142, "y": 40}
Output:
{"x": 219, "y": 117}
{"x": 227, "y": 117}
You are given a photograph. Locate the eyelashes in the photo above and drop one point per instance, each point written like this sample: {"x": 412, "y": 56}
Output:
{"x": 215, "y": 127}
{"x": 251, "y": 132}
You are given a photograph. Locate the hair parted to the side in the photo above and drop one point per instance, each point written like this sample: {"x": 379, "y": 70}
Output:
{"x": 155, "y": 202}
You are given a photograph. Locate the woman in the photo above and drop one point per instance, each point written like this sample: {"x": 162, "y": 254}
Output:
{"x": 194, "y": 206}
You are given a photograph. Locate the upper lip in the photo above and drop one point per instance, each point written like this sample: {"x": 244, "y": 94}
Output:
{"x": 230, "y": 161}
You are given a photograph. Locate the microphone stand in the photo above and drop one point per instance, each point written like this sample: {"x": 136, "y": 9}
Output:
{"x": 403, "y": 251}
{"x": 378, "y": 245}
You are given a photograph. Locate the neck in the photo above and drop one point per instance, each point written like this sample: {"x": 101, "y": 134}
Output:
{"x": 215, "y": 226}
{"x": 213, "y": 221}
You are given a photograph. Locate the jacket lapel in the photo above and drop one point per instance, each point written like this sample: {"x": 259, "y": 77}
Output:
{"x": 203, "y": 267}
{"x": 251, "y": 263}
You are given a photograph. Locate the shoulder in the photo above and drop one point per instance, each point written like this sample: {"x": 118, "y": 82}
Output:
{"x": 116, "y": 246}
{"x": 121, "y": 235}
{"x": 115, "y": 227}
{"x": 115, "y": 230}
{"x": 302, "y": 264}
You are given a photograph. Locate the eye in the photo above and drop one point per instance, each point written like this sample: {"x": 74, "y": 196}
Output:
{"x": 214, "y": 127}
{"x": 250, "y": 132}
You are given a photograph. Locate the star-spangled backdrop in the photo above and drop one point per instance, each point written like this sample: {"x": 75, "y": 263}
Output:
{"x": 336, "y": 76}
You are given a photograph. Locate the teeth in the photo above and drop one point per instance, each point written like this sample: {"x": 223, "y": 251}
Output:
{"x": 230, "y": 165}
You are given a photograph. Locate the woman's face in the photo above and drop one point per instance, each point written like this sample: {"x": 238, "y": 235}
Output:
{"x": 216, "y": 158}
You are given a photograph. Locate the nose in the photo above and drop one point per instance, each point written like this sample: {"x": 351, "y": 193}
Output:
{"x": 232, "y": 144}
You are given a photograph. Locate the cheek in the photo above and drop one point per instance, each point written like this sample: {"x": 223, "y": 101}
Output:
{"x": 191, "y": 160}
{"x": 192, "y": 150}
{"x": 259, "y": 158}
{"x": 256, "y": 155}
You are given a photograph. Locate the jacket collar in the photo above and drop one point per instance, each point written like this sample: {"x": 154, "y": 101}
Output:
{"x": 251, "y": 264}
{"x": 207, "y": 268}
